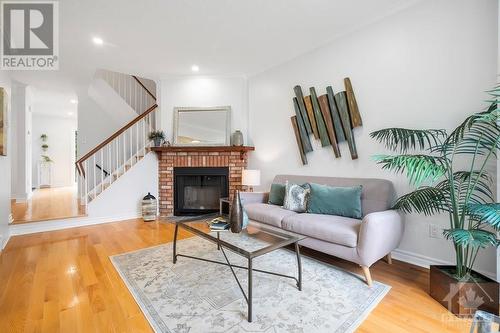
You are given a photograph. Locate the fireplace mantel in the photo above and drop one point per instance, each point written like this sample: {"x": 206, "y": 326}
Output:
{"x": 232, "y": 157}
{"x": 200, "y": 149}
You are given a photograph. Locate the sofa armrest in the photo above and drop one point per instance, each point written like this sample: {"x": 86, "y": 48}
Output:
{"x": 380, "y": 233}
{"x": 254, "y": 197}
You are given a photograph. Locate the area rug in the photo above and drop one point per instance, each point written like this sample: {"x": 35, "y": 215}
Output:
{"x": 195, "y": 296}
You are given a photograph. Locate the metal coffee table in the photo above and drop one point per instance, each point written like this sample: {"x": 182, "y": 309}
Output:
{"x": 270, "y": 239}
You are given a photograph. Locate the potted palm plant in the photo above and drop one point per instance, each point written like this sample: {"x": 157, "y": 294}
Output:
{"x": 449, "y": 173}
{"x": 157, "y": 136}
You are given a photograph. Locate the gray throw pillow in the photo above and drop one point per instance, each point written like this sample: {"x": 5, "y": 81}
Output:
{"x": 296, "y": 197}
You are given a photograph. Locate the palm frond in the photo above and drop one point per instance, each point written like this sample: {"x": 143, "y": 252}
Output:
{"x": 488, "y": 116}
{"x": 425, "y": 200}
{"x": 477, "y": 238}
{"x": 418, "y": 168}
{"x": 404, "y": 139}
{"x": 486, "y": 213}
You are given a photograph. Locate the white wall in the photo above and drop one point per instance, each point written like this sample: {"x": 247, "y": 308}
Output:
{"x": 22, "y": 103}
{"x": 61, "y": 142}
{"x": 5, "y": 169}
{"x": 124, "y": 197}
{"x": 204, "y": 91}
{"x": 425, "y": 67}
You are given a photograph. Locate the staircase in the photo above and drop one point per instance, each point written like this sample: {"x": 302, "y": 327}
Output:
{"x": 113, "y": 157}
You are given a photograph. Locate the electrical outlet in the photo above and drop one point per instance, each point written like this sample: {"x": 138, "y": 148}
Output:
{"x": 434, "y": 231}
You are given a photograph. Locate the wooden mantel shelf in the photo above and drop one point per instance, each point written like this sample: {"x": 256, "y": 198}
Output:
{"x": 243, "y": 150}
{"x": 200, "y": 149}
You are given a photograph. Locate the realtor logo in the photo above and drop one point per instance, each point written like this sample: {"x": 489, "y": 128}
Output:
{"x": 30, "y": 35}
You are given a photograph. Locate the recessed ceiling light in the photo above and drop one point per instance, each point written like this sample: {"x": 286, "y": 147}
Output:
{"x": 73, "y": 101}
{"x": 195, "y": 68}
{"x": 70, "y": 113}
{"x": 97, "y": 41}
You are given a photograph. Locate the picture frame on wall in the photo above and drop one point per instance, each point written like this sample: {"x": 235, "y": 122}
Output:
{"x": 3, "y": 121}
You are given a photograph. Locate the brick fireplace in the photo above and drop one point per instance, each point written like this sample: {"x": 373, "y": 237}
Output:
{"x": 234, "y": 158}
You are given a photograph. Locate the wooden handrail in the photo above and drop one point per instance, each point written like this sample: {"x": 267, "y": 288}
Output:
{"x": 143, "y": 86}
{"x": 79, "y": 163}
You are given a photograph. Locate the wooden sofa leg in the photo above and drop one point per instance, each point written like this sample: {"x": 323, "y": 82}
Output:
{"x": 368, "y": 276}
{"x": 389, "y": 259}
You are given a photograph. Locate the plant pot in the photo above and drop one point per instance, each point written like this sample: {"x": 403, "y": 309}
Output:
{"x": 157, "y": 142}
{"x": 463, "y": 298}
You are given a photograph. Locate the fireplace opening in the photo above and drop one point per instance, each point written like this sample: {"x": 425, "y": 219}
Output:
{"x": 198, "y": 190}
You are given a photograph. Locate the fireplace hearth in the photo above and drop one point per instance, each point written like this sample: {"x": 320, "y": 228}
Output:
{"x": 197, "y": 190}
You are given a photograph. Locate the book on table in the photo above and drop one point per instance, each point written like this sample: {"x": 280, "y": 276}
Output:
{"x": 219, "y": 224}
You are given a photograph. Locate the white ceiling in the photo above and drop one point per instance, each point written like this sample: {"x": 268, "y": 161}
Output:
{"x": 155, "y": 38}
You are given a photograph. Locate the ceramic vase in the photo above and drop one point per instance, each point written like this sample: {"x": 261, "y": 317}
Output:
{"x": 237, "y": 215}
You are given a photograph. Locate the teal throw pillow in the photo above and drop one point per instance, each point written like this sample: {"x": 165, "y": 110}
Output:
{"x": 277, "y": 194}
{"x": 341, "y": 201}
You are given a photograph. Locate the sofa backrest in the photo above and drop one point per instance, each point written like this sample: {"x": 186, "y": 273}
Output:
{"x": 377, "y": 194}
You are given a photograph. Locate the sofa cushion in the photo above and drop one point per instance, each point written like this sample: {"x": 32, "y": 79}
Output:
{"x": 266, "y": 213}
{"x": 330, "y": 228}
{"x": 277, "y": 194}
{"x": 331, "y": 200}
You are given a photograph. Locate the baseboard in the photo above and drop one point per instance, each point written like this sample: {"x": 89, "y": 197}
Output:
{"x": 34, "y": 227}
{"x": 424, "y": 261}
{"x": 4, "y": 240}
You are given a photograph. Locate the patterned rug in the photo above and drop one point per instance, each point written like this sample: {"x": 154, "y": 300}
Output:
{"x": 195, "y": 296}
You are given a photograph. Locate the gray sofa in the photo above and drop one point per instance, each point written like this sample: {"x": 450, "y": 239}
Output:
{"x": 360, "y": 241}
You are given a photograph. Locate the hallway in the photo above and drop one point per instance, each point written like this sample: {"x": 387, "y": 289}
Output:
{"x": 48, "y": 204}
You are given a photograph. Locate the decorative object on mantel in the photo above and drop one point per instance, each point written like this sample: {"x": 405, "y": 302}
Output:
{"x": 237, "y": 138}
{"x": 158, "y": 137}
{"x": 202, "y": 126}
{"x": 331, "y": 118}
{"x": 250, "y": 178}
{"x": 149, "y": 208}
{"x": 237, "y": 216}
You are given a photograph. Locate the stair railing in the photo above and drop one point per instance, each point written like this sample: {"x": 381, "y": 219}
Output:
{"x": 116, "y": 155}
{"x": 130, "y": 88}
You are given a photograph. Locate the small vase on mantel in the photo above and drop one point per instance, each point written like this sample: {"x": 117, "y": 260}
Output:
{"x": 237, "y": 138}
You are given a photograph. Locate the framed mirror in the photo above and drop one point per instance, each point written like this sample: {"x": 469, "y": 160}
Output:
{"x": 205, "y": 126}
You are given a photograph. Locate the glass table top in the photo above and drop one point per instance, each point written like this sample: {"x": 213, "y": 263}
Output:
{"x": 257, "y": 239}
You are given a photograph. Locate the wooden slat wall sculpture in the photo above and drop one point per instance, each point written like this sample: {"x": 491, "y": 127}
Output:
{"x": 339, "y": 131}
{"x": 325, "y": 111}
{"x": 331, "y": 118}
{"x": 298, "y": 139}
{"x": 341, "y": 100}
{"x": 310, "y": 114}
{"x": 304, "y": 137}
{"x": 353, "y": 106}
{"x": 323, "y": 134}
{"x": 302, "y": 108}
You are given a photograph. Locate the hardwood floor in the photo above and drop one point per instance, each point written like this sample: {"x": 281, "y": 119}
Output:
{"x": 63, "y": 281}
{"x": 48, "y": 204}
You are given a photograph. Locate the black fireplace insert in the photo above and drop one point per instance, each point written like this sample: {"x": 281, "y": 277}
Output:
{"x": 198, "y": 190}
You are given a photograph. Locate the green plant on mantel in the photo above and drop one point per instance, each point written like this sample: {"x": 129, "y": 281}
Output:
{"x": 430, "y": 161}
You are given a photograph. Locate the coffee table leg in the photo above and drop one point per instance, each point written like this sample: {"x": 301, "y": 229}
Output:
{"x": 218, "y": 241}
{"x": 249, "y": 290}
{"x": 299, "y": 265}
{"x": 174, "y": 258}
